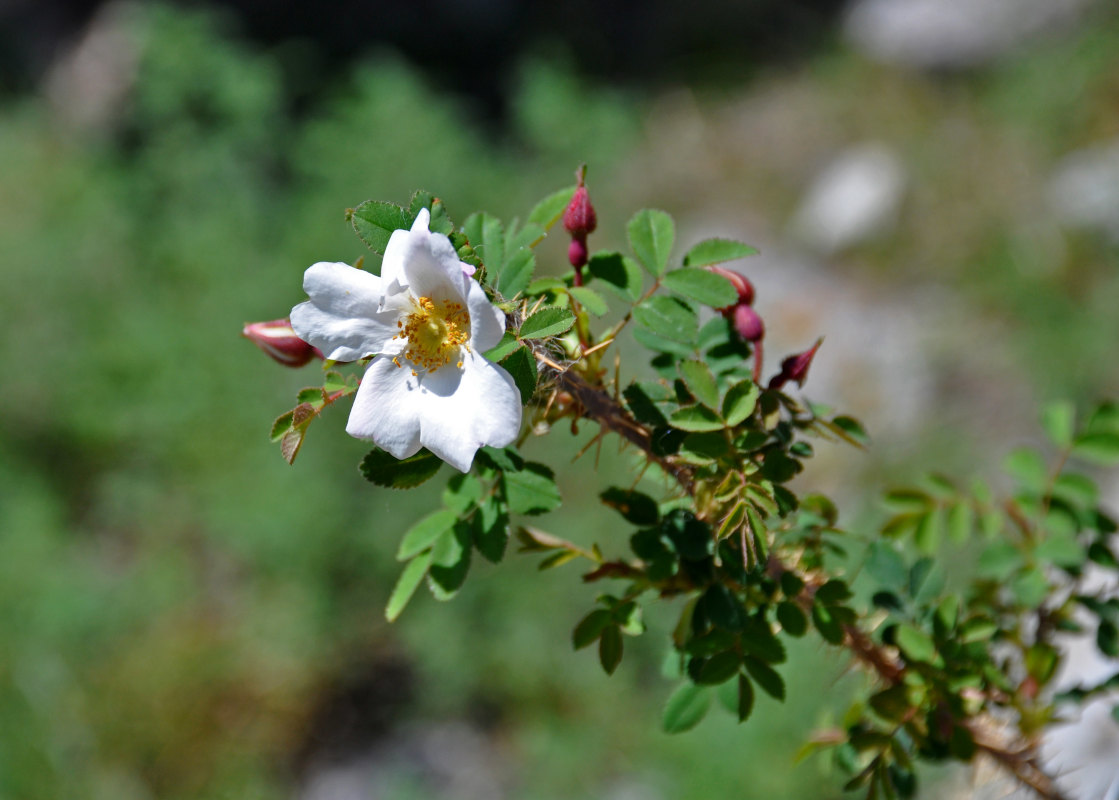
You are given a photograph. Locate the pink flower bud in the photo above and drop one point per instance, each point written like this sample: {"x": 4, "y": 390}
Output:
{"x": 278, "y": 340}
{"x": 795, "y": 367}
{"x": 747, "y": 322}
{"x": 577, "y": 252}
{"x": 579, "y": 219}
{"x": 740, "y": 282}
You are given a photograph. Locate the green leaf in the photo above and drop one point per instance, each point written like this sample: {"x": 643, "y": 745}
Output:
{"x": 766, "y": 677}
{"x": 1107, "y": 638}
{"x": 1059, "y": 422}
{"x": 685, "y": 708}
{"x": 638, "y": 508}
{"x": 521, "y": 365}
{"x": 669, "y": 318}
{"x": 792, "y": 619}
{"x": 999, "y": 561}
{"x": 1076, "y": 489}
{"x": 547, "y": 321}
{"x": 620, "y": 273}
{"x": 930, "y": 529}
{"x": 1026, "y": 465}
{"x": 424, "y": 533}
{"x": 907, "y": 501}
{"x": 384, "y": 469}
{"x": 516, "y": 273}
{"x": 828, "y": 626}
{"x": 890, "y": 704}
{"x": 700, "y": 382}
{"x": 960, "y": 520}
{"x": 531, "y": 490}
{"x": 1062, "y": 549}
{"x": 610, "y": 649}
{"x": 548, "y": 211}
{"x": 503, "y": 348}
{"x": 740, "y": 402}
{"x": 978, "y": 629}
{"x": 375, "y": 220}
{"x": 717, "y": 251}
{"x": 590, "y": 628}
{"x": 916, "y": 644}
{"x": 589, "y": 299}
{"x": 833, "y": 592}
{"x": 702, "y": 286}
{"x": 640, "y": 399}
{"x": 696, "y": 418}
{"x": 462, "y": 492}
{"x": 406, "y": 584}
{"x": 1097, "y": 448}
{"x": 745, "y": 698}
{"x": 450, "y": 561}
{"x": 885, "y": 565}
{"x": 720, "y": 668}
{"x": 490, "y": 528}
{"x": 948, "y": 612}
{"x": 1030, "y": 588}
{"x": 647, "y": 338}
{"x": 651, "y": 235}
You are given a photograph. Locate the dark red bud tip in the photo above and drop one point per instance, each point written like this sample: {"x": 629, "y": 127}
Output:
{"x": 577, "y": 253}
{"x": 277, "y": 339}
{"x": 747, "y": 322}
{"x": 795, "y": 367}
{"x": 740, "y": 282}
{"x": 579, "y": 218}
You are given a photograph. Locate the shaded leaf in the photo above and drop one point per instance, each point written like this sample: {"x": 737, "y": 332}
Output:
{"x": 702, "y": 286}
{"x": 384, "y": 469}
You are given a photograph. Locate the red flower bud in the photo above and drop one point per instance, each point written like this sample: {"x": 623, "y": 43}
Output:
{"x": 579, "y": 218}
{"x": 278, "y": 340}
{"x": 577, "y": 252}
{"x": 795, "y": 367}
{"x": 741, "y": 284}
{"x": 747, "y": 322}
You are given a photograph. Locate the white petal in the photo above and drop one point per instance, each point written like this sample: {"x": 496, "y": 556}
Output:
{"x": 462, "y": 410}
{"x": 342, "y": 318}
{"x": 431, "y": 265}
{"x": 386, "y": 409}
{"x": 487, "y": 322}
{"x": 392, "y": 265}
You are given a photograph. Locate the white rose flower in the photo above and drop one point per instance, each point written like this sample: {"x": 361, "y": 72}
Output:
{"x": 428, "y": 322}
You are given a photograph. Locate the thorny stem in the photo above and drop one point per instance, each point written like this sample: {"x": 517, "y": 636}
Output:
{"x": 595, "y": 404}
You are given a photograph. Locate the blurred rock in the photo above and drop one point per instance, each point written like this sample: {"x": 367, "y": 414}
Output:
{"x": 89, "y": 83}
{"x": 1083, "y": 191}
{"x": 856, "y": 197}
{"x": 953, "y": 34}
{"x": 442, "y": 761}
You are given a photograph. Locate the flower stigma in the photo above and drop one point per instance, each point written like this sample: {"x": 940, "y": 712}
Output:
{"x": 435, "y": 331}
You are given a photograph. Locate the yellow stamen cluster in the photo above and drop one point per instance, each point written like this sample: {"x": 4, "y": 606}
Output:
{"x": 435, "y": 331}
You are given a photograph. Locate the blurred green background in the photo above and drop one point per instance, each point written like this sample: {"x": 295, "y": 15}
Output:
{"x": 186, "y": 616}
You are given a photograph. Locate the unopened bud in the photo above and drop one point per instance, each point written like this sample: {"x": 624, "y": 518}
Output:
{"x": 579, "y": 218}
{"x": 740, "y": 282}
{"x": 577, "y": 252}
{"x": 747, "y": 322}
{"x": 278, "y": 340}
{"x": 795, "y": 367}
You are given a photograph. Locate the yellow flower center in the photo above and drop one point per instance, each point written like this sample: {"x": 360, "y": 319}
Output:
{"x": 435, "y": 331}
